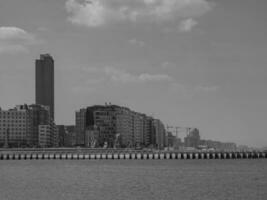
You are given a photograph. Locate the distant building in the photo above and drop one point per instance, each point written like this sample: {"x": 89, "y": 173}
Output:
{"x": 117, "y": 126}
{"x": 45, "y": 136}
{"x": 61, "y": 135}
{"x": 70, "y": 139}
{"x": 66, "y": 136}
{"x": 192, "y": 139}
{"x": 20, "y": 126}
{"x": 16, "y": 127}
{"x": 219, "y": 146}
{"x": 147, "y": 132}
{"x": 80, "y": 127}
{"x": 44, "y": 82}
{"x": 40, "y": 116}
{"x": 158, "y": 134}
{"x": 91, "y": 138}
{"x": 171, "y": 140}
{"x": 138, "y": 129}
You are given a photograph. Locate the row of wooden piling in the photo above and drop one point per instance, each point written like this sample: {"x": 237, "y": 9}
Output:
{"x": 123, "y": 155}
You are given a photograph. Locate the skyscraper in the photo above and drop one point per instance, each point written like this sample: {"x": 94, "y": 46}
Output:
{"x": 44, "y": 82}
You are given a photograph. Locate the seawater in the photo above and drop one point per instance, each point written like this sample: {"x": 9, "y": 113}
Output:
{"x": 133, "y": 179}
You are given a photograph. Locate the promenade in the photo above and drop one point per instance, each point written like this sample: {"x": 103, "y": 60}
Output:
{"x": 86, "y": 153}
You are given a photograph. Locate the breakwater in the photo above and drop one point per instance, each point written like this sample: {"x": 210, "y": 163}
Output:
{"x": 81, "y": 154}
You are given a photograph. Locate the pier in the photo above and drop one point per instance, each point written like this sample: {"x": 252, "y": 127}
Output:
{"x": 112, "y": 154}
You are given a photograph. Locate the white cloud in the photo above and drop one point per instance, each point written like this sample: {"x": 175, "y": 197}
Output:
{"x": 91, "y": 78}
{"x": 187, "y": 25}
{"x": 14, "y": 40}
{"x": 94, "y": 13}
{"x": 123, "y": 76}
{"x": 90, "y": 13}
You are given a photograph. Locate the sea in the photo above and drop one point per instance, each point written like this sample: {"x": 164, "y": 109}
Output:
{"x": 133, "y": 179}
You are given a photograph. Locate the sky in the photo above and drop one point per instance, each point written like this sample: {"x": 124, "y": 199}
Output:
{"x": 190, "y": 63}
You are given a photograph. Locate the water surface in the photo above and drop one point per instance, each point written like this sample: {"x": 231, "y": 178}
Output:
{"x": 133, "y": 179}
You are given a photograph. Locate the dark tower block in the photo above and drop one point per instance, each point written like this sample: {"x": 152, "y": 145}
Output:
{"x": 44, "y": 82}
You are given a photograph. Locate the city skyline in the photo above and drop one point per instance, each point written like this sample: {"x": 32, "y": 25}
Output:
{"x": 192, "y": 69}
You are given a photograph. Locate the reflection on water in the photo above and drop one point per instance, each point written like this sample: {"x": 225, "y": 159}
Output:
{"x": 133, "y": 179}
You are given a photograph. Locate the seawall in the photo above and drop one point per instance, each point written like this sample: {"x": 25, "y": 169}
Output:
{"x": 115, "y": 154}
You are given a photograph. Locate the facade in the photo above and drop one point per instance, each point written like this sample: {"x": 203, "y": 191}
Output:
{"x": 45, "y": 136}
{"x": 44, "y": 82}
{"x": 91, "y": 138}
{"x": 116, "y": 126}
{"x": 147, "y": 130}
{"x": 138, "y": 129}
{"x": 192, "y": 139}
{"x": 16, "y": 127}
{"x": 66, "y": 136}
{"x": 80, "y": 127}
{"x": 40, "y": 116}
{"x": 124, "y": 127}
{"x": 20, "y": 126}
{"x": 158, "y": 134}
{"x": 61, "y": 135}
{"x": 70, "y": 136}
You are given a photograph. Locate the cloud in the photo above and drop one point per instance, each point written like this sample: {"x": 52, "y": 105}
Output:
{"x": 93, "y": 13}
{"x": 187, "y": 25}
{"x": 14, "y": 40}
{"x": 10, "y": 33}
{"x": 123, "y": 76}
{"x": 137, "y": 42}
{"x": 93, "y": 78}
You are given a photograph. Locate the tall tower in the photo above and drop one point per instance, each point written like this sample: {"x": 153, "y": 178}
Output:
{"x": 44, "y": 82}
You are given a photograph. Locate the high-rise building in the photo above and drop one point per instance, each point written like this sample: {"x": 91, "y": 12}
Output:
{"x": 44, "y": 82}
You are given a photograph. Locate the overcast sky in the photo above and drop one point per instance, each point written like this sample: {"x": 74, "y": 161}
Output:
{"x": 196, "y": 63}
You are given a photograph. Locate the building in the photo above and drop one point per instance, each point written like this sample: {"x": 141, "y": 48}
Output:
{"x": 218, "y": 146}
{"x": 61, "y": 135}
{"x": 66, "y": 136}
{"x": 16, "y": 127}
{"x": 44, "y": 82}
{"x": 91, "y": 138}
{"x": 20, "y": 126}
{"x": 138, "y": 129}
{"x": 70, "y": 137}
{"x": 45, "y": 136}
{"x": 192, "y": 139}
{"x": 158, "y": 134}
{"x": 104, "y": 120}
{"x": 40, "y": 116}
{"x": 80, "y": 126}
{"x": 147, "y": 131}
{"x": 116, "y": 126}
